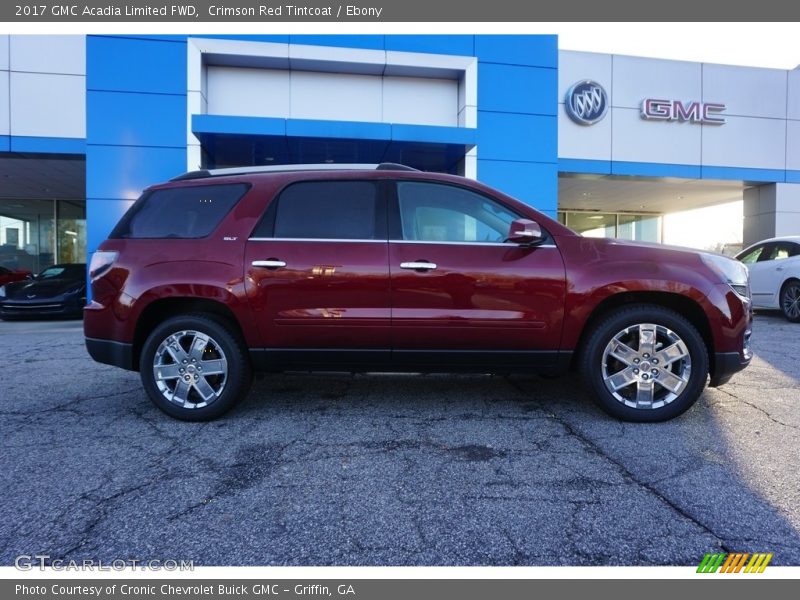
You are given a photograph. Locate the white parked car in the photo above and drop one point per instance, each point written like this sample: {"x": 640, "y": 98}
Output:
{"x": 774, "y": 266}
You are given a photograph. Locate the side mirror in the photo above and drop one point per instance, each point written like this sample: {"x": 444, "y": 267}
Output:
{"x": 524, "y": 231}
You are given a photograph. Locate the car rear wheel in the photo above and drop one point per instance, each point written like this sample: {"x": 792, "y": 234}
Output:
{"x": 645, "y": 363}
{"x": 790, "y": 300}
{"x": 194, "y": 368}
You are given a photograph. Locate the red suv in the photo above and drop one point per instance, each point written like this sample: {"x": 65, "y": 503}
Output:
{"x": 218, "y": 273}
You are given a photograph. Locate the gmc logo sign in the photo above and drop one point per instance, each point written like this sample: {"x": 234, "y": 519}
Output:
{"x": 675, "y": 110}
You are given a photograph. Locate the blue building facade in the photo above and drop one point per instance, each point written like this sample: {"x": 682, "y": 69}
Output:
{"x": 137, "y": 99}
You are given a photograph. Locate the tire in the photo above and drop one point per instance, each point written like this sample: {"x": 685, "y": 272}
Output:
{"x": 790, "y": 300}
{"x": 635, "y": 382}
{"x": 185, "y": 390}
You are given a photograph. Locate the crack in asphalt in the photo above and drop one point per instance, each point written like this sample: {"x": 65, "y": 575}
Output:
{"x": 596, "y": 449}
{"x": 99, "y": 505}
{"x": 66, "y": 407}
{"x": 105, "y": 506}
{"x": 758, "y": 408}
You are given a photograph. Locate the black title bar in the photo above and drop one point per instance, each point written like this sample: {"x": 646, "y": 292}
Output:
{"x": 231, "y": 11}
{"x": 396, "y": 589}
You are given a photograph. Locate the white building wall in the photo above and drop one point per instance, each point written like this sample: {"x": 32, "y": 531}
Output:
{"x": 4, "y": 98}
{"x": 771, "y": 210}
{"x": 758, "y": 102}
{"x": 746, "y": 142}
{"x": 336, "y": 97}
{"x": 578, "y": 141}
{"x": 793, "y": 104}
{"x": 63, "y": 54}
{"x": 43, "y": 85}
{"x": 301, "y": 94}
{"x": 793, "y": 114}
{"x": 793, "y": 145}
{"x": 4, "y": 93}
{"x": 245, "y": 92}
{"x": 421, "y": 101}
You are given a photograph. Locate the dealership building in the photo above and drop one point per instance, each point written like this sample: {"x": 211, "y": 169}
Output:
{"x": 608, "y": 144}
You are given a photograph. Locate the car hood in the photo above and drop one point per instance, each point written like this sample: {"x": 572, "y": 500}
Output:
{"x": 638, "y": 244}
{"x": 651, "y": 249}
{"x": 46, "y": 288}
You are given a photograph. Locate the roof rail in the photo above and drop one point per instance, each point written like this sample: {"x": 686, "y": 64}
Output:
{"x": 203, "y": 173}
{"x": 390, "y": 166}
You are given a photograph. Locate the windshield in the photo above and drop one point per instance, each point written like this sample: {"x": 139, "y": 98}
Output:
{"x": 63, "y": 272}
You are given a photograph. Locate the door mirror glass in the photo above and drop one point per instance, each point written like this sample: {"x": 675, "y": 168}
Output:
{"x": 524, "y": 231}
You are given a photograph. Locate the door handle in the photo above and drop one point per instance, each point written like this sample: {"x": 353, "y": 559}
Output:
{"x": 270, "y": 263}
{"x": 418, "y": 265}
{"x": 779, "y": 268}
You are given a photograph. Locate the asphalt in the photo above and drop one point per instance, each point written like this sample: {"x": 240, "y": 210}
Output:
{"x": 392, "y": 469}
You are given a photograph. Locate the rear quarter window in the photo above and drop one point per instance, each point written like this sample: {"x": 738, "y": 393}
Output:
{"x": 180, "y": 212}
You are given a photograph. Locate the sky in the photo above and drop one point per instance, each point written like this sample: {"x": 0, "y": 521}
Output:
{"x": 775, "y": 45}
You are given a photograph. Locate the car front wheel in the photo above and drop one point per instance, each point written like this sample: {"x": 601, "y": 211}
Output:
{"x": 194, "y": 368}
{"x": 790, "y": 300}
{"x": 645, "y": 363}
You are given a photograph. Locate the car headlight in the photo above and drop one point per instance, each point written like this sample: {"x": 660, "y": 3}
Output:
{"x": 731, "y": 271}
{"x": 2, "y": 291}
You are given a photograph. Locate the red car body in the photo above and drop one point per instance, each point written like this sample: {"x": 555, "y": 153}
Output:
{"x": 345, "y": 304}
{"x": 10, "y": 276}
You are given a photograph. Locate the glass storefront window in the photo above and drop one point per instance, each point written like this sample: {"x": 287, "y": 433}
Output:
{"x": 35, "y": 234}
{"x": 642, "y": 228}
{"x": 592, "y": 224}
{"x": 626, "y": 226}
{"x": 27, "y": 234}
{"x": 71, "y": 231}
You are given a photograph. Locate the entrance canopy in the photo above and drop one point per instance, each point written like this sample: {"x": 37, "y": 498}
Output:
{"x": 247, "y": 141}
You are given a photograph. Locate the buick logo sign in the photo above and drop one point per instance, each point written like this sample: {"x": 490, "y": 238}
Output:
{"x": 586, "y": 102}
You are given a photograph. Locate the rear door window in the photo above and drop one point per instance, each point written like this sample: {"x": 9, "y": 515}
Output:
{"x": 782, "y": 250}
{"x": 179, "y": 212}
{"x": 327, "y": 210}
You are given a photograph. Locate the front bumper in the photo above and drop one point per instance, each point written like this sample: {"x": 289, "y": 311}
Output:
{"x": 44, "y": 308}
{"x": 109, "y": 352}
{"x": 727, "y": 364}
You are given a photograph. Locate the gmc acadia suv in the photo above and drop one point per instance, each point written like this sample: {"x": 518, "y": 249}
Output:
{"x": 218, "y": 273}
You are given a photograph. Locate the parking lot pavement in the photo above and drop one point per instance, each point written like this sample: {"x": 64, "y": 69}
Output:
{"x": 392, "y": 469}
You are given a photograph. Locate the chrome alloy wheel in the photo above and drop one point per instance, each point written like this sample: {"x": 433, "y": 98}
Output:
{"x": 190, "y": 369}
{"x": 791, "y": 301}
{"x": 646, "y": 366}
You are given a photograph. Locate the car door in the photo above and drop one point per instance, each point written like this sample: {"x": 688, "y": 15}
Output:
{"x": 759, "y": 265}
{"x": 782, "y": 259}
{"x": 317, "y": 273}
{"x": 460, "y": 293}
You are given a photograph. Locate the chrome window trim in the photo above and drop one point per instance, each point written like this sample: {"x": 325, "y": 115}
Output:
{"x": 276, "y": 239}
{"x": 360, "y": 241}
{"x": 504, "y": 244}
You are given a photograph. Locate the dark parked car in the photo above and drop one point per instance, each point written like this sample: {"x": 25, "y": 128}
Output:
{"x": 354, "y": 268}
{"x": 58, "y": 291}
{"x": 10, "y": 276}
